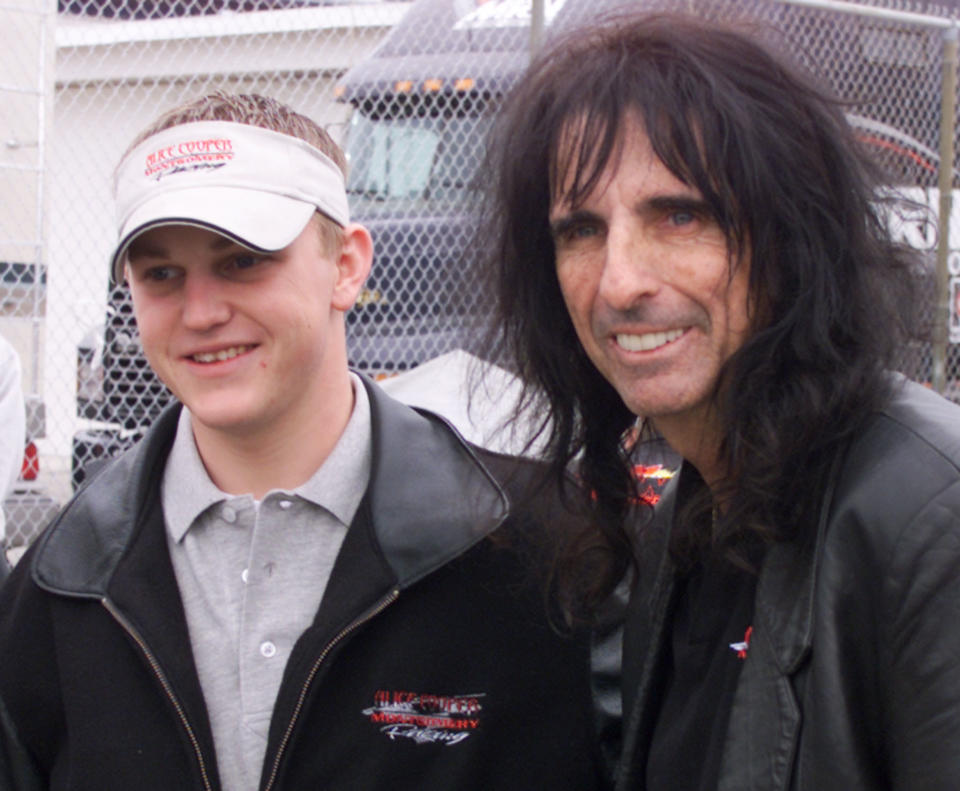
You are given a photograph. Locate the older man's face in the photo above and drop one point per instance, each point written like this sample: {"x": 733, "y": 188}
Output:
{"x": 645, "y": 273}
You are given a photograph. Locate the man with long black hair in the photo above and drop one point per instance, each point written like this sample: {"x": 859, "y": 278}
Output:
{"x": 686, "y": 231}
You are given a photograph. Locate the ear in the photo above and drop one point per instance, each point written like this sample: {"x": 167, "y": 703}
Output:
{"x": 353, "y": 266}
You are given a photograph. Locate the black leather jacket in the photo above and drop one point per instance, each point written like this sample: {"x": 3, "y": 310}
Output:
{"x": 852, "y": 680}
{"x": 430, "y": 663}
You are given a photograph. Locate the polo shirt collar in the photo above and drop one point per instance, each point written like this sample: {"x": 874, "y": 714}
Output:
{"x": 338, "y": 485}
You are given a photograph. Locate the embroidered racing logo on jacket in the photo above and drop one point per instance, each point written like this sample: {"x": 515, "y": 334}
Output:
{"x": 426, "y": 719}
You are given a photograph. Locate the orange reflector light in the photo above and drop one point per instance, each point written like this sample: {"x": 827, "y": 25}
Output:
{"x": 30, "y": 468}
{"x": 432, "y": 85}
{"x": 463, "y": 84}
{"x": 339, "y": 91}
{"x": 403, "y": 86}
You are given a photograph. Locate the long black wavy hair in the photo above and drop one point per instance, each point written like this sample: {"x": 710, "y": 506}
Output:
{"x": 785, "y": 178}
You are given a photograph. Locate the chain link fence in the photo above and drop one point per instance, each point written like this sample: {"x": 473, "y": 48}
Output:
{"x": 409, "y": 88}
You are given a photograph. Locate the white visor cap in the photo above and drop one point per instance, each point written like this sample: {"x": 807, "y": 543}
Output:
{"x": 255, "y": 186}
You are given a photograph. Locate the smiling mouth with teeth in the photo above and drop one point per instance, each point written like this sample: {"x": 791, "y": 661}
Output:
{"x": 220, "y": 356}
{"x": 648, "y": 341}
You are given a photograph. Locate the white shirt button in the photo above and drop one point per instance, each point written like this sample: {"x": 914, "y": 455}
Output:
{"x": 285, "y": 504}
{"x": 268, "y": 649}
{"x": 228, "y": 514}
{"x": 244, "y": 575}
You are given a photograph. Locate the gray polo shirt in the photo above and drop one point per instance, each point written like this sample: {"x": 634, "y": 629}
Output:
{"x": 251, "y": 575}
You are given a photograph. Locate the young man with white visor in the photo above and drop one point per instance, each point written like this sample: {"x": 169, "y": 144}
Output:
{"x": 293, "y": 581}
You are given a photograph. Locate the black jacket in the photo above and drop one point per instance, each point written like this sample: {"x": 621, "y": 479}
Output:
{"x": 430, "y": 663}
{"x": 852, "y": 679}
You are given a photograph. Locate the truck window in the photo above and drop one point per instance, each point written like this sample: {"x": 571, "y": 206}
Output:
{"x": 428, "y": 163}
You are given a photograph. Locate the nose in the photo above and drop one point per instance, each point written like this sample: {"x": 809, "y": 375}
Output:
{"x": 631, "y": 268}
{"x": 205, "y": 306}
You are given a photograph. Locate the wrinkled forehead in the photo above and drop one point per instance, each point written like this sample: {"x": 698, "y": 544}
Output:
{"x": 587, "y": 151}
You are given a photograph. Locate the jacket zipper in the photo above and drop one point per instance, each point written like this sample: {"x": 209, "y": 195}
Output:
{"x": 162, "y": 678}
{"x": 367, "y": 616}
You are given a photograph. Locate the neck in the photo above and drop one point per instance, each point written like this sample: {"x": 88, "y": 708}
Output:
{"x": 697, "y": 440}
{"x": 282, "y": 454}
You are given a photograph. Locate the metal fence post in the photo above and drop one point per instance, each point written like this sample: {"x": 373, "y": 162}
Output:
{"x": 947, "y": 111}
{"x": 537, "y": 18}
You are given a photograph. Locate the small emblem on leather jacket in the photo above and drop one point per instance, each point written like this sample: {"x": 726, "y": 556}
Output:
{"x": 742, "y": 647}
{"x": 426, "y": 719}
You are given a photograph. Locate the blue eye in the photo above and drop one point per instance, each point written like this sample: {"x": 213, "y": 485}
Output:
{"x": 579, "y": 226}
{"x": 159, "y": 273}
{"x": 245, "y": 261}
{"x": 577, "y": 232}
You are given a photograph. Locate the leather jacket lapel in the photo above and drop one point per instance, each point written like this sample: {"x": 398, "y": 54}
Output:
{"x": 764, "y": 727}
{"x": 764, "y": 724}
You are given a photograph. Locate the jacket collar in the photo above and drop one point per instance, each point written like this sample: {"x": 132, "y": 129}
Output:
{"x": 430, "y": 496}
{"x": 418, "y": 459}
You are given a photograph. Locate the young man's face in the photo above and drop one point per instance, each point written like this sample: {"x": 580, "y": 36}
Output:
{"x": 246, "y": 341}
{"x": 645, "y": 274}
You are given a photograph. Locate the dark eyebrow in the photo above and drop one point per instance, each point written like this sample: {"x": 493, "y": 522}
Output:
{"x": 661, "y": 204}
{"x": 657, "y": 204}
{"x": 667, "y": 204}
